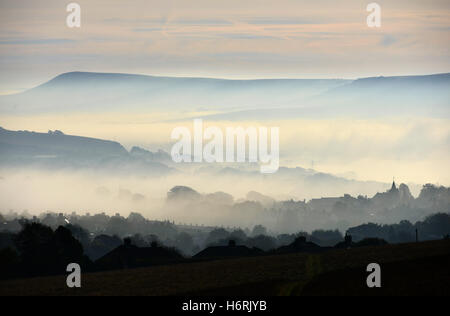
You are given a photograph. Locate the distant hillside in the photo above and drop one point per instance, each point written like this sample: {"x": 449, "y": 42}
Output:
{"x": 57, "y": 150}
{"x": 56, "y": 143}
{"x": 425, "y": 96}
{"x": 84, "y": 91}
{"x": 235, "y": 99}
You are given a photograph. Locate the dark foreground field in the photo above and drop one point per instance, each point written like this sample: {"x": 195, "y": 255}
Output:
{"x": 406, "y": 269}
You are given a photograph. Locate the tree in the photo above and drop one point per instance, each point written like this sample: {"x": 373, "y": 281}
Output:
{"x": 217, "y": 234}
{"x": 184, "y": 242}
{"x": 43, "y": 251}
{"x": 9, "y": 263}
{"x": 80, "y": 234}
{"x": 259, "y": 230}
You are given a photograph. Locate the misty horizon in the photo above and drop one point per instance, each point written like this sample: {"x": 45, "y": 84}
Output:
{"x": 240, "y": 148}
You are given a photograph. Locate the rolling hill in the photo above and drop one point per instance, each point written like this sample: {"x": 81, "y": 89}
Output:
{"x": 407, "y": 269}
{"x": 55, "y": 150}
{"x": 236, "y": 99}
{"x": 83, "y": 91}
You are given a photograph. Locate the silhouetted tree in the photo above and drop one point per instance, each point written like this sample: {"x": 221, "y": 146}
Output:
{"x": 216, "y": 235}
{"x": 262, "y": 242}
{"x": 326, "y": 237}
{"x": 101, "y": 245}
{"x": 43, "y": 251}
{"x": 9, "y": 263}
{"x": 184, "y": 242}
{"x": 80, "y": 234}
{"x": 259, "y": 230}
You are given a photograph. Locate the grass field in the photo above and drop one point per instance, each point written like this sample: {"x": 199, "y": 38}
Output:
{"x": 406, "y": 269}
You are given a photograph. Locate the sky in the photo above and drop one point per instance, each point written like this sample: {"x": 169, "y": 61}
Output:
{"x": 242, "y": 39}
{"x": 222, "y": 38}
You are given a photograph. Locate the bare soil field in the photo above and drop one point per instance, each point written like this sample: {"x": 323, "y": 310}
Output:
{"x": 406, "y": 269}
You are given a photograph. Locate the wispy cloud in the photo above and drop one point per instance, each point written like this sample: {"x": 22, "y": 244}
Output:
{"x": 289, "y": 20}
{"x": 217, "y": 38}
{"x": 37, "y": 41}
{"x": 148, "y": 29}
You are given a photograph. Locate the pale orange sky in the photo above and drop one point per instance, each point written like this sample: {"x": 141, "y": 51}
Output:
{"x": 242, "y": 39}
{"x": 218, "y": 38}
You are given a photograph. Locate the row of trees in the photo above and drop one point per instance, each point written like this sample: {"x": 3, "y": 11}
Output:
{"x": 37, "y": 249}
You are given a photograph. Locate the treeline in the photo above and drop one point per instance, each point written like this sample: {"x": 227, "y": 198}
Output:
{"x": 100, "y": 233}
{"x": 221, "y": 209}
{"x": 433, "y": 227}
{"x": 38, "y": 249}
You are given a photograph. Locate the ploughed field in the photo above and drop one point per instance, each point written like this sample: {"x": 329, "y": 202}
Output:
{"x": 406, "y": 269}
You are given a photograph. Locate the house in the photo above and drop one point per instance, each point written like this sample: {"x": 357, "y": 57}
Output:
{"x": 232, "y": 250}
{"x": 301, "y": 245}
{"x": 129, "y": 256}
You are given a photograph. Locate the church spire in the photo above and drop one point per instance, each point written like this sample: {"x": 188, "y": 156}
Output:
{"x": 394, "y": 187}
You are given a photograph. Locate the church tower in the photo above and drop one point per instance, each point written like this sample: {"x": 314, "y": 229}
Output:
{"x": 394, "y": 187}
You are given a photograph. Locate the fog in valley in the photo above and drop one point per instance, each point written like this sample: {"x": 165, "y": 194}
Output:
{"x": 342, "y": 142}
{"x": 286, "y": 204}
